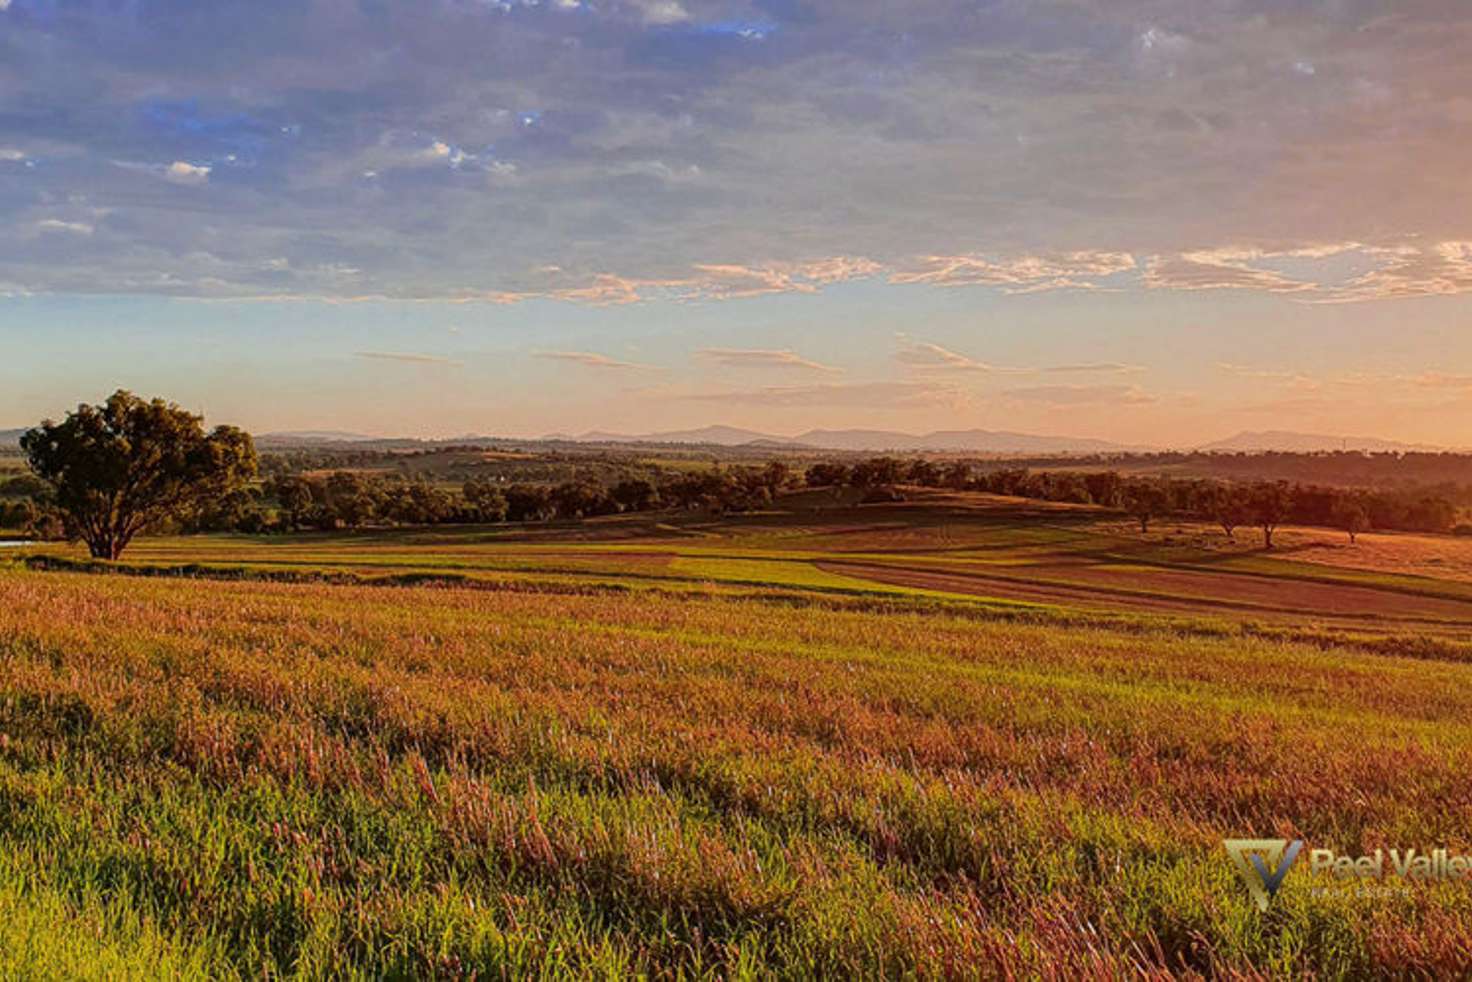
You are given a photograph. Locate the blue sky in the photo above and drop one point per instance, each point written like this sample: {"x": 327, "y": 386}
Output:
{"x": 1145, "y": 221}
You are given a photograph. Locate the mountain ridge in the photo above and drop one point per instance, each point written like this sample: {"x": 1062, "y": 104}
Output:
{"x": 973, "y": 440}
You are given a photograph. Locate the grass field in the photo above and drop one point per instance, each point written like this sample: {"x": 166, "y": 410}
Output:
{"x": 952, "y": 737}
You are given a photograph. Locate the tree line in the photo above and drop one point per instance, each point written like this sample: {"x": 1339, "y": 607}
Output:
{"x": 347, "y": 499}
{"x": 1448, "y": 473}
{"x": 351, "y": 499}
{"x": 1263, "y": 505}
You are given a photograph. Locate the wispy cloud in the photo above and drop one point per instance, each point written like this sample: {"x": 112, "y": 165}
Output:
{"x": 1102, "y": 367}
{"x": 1083, "y": 395}
{"x": 1441, "y": 380}
{"x": 735, "y": 281}
{"x": 1220, "y": 269}
{"x": 925, "y": 356}
{"x": 1024, "y": 274}
{"x": 58, "y": 225}
{"x": 408, "y": 357}
{"x": 1296, "y": 379}
{"x": 869, "y": 395}
{"x": 1443, "y": 269}
{"x": 705, "y": 281}
{"x": 763, "y": 358}
{"x": 592, "y": 360}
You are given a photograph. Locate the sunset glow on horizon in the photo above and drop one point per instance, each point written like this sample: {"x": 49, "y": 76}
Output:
{"x": 1150, "y": 223}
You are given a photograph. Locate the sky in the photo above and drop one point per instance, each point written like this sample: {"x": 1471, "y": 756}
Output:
{"x": 1151, "y": 221}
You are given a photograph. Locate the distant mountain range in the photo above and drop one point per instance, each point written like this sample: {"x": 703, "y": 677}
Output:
{"x": 875, "y": 441}
{"x": 972, "y": 441}
{"x": 1285, "y": 441}
{"x": 298, "y": 438}
{"x": 993, "y": 441}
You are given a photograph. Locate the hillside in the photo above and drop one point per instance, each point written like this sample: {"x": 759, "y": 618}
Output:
{"x": 1286, "y": 441}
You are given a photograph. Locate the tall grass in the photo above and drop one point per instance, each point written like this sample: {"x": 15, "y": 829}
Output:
{"x": 252, "y": 778}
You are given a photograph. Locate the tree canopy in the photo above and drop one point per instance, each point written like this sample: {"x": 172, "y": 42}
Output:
{"x": 129, "y": 464}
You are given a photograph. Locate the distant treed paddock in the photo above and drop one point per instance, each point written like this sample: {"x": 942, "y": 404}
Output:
{"x": 297, "y": 495}
{"x": 347, "y": 499}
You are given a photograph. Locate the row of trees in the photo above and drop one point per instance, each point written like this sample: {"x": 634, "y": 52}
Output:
{"x": 350, "y": 499}
{"x": 1447, "y": 473}
{"x": 1261, "y": 504}
{"x": 1264, "y": 504}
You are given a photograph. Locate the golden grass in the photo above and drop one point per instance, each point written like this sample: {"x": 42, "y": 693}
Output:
{"x": 247, "y": 778}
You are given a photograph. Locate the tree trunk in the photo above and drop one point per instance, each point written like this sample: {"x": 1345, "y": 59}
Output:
{"x": 108, "y": 546}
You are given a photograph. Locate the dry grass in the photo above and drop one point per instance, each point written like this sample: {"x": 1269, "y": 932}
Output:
{"x": 1442, "y": 557}
{"x": 215, "y": 778}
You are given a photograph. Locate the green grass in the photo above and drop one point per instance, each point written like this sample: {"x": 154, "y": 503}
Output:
{"x": 586, "y": 752}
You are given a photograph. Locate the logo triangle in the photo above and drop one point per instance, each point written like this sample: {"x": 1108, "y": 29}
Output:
{"x": 1262, "y": 864}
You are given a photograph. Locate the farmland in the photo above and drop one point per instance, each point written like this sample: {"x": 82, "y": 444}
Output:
{"x": 951, "y": 735}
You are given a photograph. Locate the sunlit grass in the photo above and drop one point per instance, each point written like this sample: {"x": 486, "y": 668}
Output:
{"x": 219, "y": 778}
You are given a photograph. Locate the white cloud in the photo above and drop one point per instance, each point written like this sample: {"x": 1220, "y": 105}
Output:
{"x": 663, "y": 11}
{"x": 57, "y": 225}
{"x": 1026, "y": 274}
{"x": 183, "y": 172}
